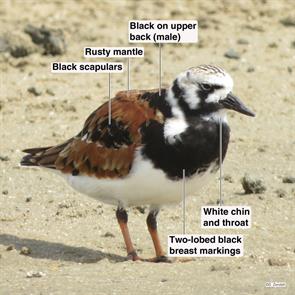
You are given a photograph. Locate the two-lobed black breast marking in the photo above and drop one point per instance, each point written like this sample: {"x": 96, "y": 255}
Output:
{"x": 195, "y": 150}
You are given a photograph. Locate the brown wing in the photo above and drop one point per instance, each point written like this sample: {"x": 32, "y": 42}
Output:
{"x": 102, "y": 149}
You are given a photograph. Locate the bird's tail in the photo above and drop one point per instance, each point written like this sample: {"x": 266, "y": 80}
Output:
{"x": 43, "y": 156}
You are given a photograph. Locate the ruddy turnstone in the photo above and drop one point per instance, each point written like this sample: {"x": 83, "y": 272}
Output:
{"x": 139, "y": 156}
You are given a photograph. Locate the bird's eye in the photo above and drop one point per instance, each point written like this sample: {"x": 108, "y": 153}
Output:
{"x": 205, "y": 87}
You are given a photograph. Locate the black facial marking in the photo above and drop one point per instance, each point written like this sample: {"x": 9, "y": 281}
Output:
{"x": 158, "y": 102}
{"x": 196, "y": 149}
{"x": 178, "y": 92}
{"x": 203, "y": 108}
{"x": 206, "y": 89}
{"x": 215, "y": 86}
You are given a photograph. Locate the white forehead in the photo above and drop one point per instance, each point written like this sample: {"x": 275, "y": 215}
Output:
{"x": 208, "y": 74}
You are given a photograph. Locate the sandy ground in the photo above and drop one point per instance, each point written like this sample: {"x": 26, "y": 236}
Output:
{"x": 75, "y": 242}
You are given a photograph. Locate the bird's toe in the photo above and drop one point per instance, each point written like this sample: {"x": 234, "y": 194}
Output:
{"x": 158, "y": 259}
{"x": 133, "y": 256}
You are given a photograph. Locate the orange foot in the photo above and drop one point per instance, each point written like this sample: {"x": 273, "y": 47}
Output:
{"x": 165, "y": 259}
{"x": 160, "y": 259}
{"x": 133, "y": 256}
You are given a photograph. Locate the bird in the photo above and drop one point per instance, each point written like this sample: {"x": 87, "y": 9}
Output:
{"x": 139, "y": 153}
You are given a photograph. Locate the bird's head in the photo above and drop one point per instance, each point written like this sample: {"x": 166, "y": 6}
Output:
{"x": 205, "y": 90}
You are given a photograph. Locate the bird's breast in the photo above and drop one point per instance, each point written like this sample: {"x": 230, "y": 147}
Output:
{"x": 145, "y": 185}
{"x": 193, "y": 150}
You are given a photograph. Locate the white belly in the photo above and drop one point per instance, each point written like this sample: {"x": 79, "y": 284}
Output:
{"x": 145, "y": 185}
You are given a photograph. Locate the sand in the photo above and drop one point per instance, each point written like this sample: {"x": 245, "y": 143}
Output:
{"x": 74, "y": 242}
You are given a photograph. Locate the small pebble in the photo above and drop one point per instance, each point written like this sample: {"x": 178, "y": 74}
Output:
{"x": 69, "y": 108}
{"x": 108, "y": 235}
{"x": 219, "y": 203}
{"x": 50, "y": 92}
{"x": 220, "y": 267}
{"x": 261, "y": 149}
{"x": 276, "y": 262}
{"x": 256, "y": 28}
{"x": 203, "y": 23}
{"x": 35, "y": 274}
{"x": 10, "y": 247}
{"x": 21, "y": 64}
{"x": 232, "y": 54}
{"x": 288, "y": 21}
{"x": 243, "y": 41}
{"x": 4, "y": 158}
{"x": 140, "y": 209}
{"x": 34, "y": 91}
{"x": 228, "y": 178}
{"x": 52, "y": 40}
{"x": 28, "y": 199}
{"x": 176, "y": 12}
{"x": 148, "y": 60}
{"x": 19, "y": 51}
{"x": 289, "y": 179}
{"x": 210, "y": 203}
{"x": 19, "y": 44}
{"x": 250, "y": 69}
{"x": 281, "y": 193}
{"x": 252, "y": 186}
{"x": 4, "y": 46}
{"x": 65, "y": 204}
{"x": 273, "y": 45}
{"x": 25, "y": 251}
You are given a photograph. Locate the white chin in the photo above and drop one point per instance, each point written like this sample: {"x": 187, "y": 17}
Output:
{"x": 217, "y": 116}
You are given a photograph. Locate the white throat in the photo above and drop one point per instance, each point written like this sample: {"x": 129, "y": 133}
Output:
{"x": 216, "y": 116}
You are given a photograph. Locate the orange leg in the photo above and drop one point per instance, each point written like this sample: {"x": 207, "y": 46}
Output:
{"x": 122, "y": 218}
{"x": 152, "y": 227}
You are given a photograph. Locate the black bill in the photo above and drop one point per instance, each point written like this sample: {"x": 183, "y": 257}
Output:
{"x": 233, "y": 103}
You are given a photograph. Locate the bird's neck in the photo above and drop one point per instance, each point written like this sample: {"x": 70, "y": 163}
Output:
{"x": 218, "y": 116}
{"x": 181, "y": 119}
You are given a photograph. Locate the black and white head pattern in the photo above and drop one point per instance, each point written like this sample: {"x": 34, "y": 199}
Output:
{"x": 198, "y": 90}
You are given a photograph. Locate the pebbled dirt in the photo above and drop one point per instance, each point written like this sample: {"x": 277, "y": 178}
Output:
{"x": 54, "y": 240}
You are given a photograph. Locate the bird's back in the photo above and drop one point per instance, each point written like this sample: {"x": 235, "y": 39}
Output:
{"x": 102, "y": 149}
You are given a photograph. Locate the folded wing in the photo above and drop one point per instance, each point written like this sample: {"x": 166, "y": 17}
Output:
{"x": 100, "y": 149}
